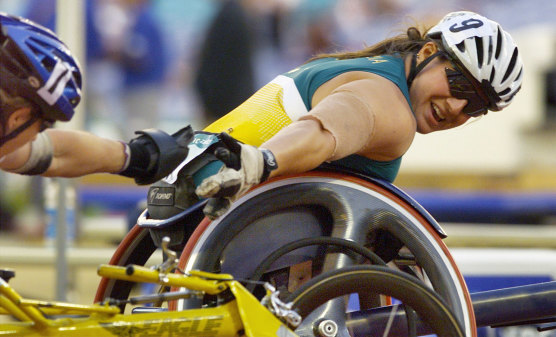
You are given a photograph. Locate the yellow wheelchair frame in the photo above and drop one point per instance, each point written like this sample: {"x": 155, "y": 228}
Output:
{"x": 238, "y": 312}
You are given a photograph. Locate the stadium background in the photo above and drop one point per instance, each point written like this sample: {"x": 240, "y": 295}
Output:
{"x": 491, "y": 183}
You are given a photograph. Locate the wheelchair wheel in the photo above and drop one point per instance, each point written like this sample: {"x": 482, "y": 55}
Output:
{"x": 317, "y": 204}
{"x": 417, "y": 309}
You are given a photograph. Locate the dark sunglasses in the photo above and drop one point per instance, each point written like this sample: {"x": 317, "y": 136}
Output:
{"x": 462, "y": 87}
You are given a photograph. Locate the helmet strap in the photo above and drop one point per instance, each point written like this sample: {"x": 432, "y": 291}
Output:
{"x": 415, "y": 69}
{"x": 5, "y": 138}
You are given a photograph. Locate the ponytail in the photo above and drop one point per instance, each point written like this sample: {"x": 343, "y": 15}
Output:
{"x": 403, "y": 44}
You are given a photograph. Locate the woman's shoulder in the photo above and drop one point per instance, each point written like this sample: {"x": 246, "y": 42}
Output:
{"x": 394, "y": 122}
{"x": 373, "y": 87}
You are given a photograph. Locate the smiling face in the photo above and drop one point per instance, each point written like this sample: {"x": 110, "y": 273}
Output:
{"x": 434, "y": 107}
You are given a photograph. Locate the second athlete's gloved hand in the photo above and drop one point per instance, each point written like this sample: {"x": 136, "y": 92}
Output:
{"x": 245, "y": 167}
{"x": 154, "y": 154}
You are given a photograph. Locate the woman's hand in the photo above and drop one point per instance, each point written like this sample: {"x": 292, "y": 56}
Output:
{"x": 245, "y": 167}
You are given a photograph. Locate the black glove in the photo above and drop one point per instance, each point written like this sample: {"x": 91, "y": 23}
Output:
{"x": 246, "y": 166}
{"x": 154, "y": 154}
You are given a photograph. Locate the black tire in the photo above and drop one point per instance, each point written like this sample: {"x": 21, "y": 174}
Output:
{"x": 429, "y": 307}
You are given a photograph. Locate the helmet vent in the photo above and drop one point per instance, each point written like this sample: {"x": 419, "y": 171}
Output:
{"x": 461, "y": 46}
{"x": 511, "y": 66}
{"x": 499, "y": 44}
{"x": 77, "y": 77}
{"x": 490, "y": 51}
{"x": 504, "y": 92}
{"x": 41, "y": 52}
{"x": 48, "y": 64}
{"x": 492, "y": 74}
{"x": 519, "y": 75}
{"x": 480, "y": 51}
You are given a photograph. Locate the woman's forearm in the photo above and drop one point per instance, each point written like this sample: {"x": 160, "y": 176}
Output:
{"x": 77, "y": 153}
{"x": 300, "y": 147}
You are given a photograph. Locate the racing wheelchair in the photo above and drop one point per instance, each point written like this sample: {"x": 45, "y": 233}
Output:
{"x": 312, "y": 225}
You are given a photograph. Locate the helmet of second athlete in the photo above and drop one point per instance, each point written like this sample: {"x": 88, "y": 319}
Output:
{"x": 486, "y": 51}
{"x": 36, "y": 65}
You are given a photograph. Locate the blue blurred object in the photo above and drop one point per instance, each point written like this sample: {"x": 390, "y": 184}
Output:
{"x": 487, "y": 207}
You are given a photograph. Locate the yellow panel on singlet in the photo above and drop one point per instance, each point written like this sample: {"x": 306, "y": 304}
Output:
{"x": 257, "y": 119}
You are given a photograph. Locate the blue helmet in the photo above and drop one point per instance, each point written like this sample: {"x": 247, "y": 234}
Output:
{"x": 36, "y": 65}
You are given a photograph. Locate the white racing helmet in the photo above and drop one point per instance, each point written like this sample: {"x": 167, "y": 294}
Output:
{"x": 485, "y": 51}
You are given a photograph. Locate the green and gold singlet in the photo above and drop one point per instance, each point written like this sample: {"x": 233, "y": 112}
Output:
{"x": 288, "y": 97}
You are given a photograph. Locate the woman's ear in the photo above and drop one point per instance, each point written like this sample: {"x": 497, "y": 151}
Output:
{"x": 18, "y": 117}
{"x": 426, "y": 51}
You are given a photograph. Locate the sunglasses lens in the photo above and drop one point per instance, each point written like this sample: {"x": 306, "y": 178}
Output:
{"x": 462, "y": 88}
{"x": 474, "y": 108}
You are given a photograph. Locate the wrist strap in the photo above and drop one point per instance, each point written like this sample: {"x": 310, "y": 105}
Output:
{"x": 269, "y": 162}
{"x": 137, "y": 160}
{"x": 127, "y": 155}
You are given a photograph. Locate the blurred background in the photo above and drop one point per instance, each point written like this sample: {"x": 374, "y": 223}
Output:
{"x": 169, "y": 63}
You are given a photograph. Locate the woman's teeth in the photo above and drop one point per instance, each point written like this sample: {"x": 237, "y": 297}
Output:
{"x": 437, "y": 113}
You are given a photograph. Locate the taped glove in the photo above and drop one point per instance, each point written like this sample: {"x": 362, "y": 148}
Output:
{"x": 245, "y": 167}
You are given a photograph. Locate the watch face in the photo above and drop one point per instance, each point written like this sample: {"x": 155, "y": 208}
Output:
{"x": 270, "y": 161}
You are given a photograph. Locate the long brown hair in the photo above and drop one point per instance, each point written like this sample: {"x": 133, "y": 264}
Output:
{"x": 403, "y": 44}
{"x": 11, "y": 103}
